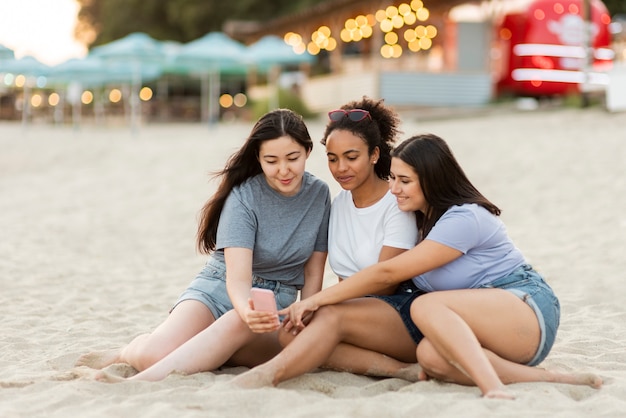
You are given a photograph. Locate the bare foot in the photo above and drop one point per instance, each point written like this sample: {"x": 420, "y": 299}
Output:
{"x": 589, "y": 379}
{"x": 99, "y": 359}
{"x": 252, "y": 379}
{"x": 499, "y": 394}
{"x": 412, "y": 373}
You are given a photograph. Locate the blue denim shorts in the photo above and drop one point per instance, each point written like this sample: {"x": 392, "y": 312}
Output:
{"x": 530, "y": 287}
{"x": 209, "y": 287}
{"x": 401, "y": 301}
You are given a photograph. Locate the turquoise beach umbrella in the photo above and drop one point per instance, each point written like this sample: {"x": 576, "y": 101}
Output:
{"x": 135, "y": 58}
{"x": 272, "y": 50}
{"x": 208, "y": 57}
{"x": 6, "y": 53}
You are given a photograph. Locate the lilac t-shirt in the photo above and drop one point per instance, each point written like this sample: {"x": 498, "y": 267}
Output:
{"x": 488, "y": 252}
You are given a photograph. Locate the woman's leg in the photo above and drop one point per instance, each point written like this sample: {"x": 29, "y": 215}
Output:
{"x": 458, "y": 324}
{"x": 368, "y": 324}
{"x": 206, "y": 351}
{"x": 509, "y": 372}
{"x": 186, "y": 320}
{"x": 353, "y": 359}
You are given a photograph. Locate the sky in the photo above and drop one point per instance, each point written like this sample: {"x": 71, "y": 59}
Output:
{"x": 40, "y": 28}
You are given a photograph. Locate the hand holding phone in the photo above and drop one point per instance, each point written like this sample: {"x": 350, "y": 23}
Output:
{"x": 264, "y": 303}
{"x": 263, "y": 300}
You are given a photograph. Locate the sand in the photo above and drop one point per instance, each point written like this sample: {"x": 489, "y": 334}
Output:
{"x": 97, "y": 228}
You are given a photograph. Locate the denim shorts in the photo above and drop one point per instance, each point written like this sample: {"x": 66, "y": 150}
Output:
{"x": 401, "y": 301}
{"x": 209, "y": 287}
{"x": 529, "y": 286}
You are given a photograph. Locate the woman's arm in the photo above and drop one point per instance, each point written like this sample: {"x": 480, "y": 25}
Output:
{"x": 426, "y": 256}
{"x": 238, "y": 285}
{"x": 238, "y": 277}
{"x": 313, "y": 274}
{"x": 387, "y": 253}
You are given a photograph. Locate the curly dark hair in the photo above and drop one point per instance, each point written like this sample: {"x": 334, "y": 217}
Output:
{"x": 380, "y": 131}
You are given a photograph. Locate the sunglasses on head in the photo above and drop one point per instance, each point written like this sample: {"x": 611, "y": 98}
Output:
{"x": 355, "y": 115}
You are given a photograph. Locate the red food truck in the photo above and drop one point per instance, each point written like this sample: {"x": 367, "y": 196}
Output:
{"x": 553, "y": 47}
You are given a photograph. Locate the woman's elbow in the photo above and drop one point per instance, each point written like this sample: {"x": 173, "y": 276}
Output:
{"x": 388, "y": 276}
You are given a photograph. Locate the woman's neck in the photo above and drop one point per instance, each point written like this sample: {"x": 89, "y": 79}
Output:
{"x": 370, "y": 192}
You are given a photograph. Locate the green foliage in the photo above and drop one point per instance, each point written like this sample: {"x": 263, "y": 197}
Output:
{"x": 615, "y": 6}
{"x": 286, "y": 99}
{"x": 103, "y": 21}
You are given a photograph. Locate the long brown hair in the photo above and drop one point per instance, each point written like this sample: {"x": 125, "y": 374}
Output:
{"x": 245, "y": 164}
{"x": 441, "y": 178}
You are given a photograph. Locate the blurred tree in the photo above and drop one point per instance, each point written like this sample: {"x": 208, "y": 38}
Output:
{"x": 615, "y": 6}
{"x": 102, "y": 21}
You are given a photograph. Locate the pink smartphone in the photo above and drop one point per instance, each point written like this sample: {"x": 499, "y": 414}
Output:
{"x": 263, "y": 299}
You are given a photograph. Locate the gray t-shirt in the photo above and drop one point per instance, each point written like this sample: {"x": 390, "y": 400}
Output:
{"x": 282, "y": 231}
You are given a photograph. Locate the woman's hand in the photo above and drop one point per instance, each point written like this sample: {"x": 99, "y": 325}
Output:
{"x": 298, "y": 314}
{"x": 260, "y": 321}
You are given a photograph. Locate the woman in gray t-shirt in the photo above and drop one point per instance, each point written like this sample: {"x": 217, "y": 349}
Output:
{"x": 266, "y": 226}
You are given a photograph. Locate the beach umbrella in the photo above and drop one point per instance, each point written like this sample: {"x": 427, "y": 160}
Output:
{"x": 135, "y": 47}
{"x": 76, "y": 74}
{"x": 213, "y": 51}
{"x": 34, "y": 71}
{"x": 268, "y": 55}
{"x": 72, "y": 76}
{"x": 136, "y": 58}
{"x": 170, "y": 51}
{"x": 89, "y": 71}
{"x": 6, "y": 53}
{"x": 210, "y": 56}
{"x": 271, "y": 50}
{"x": 28, "y": 66}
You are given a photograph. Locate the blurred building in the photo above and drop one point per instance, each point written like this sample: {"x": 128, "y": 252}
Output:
{"x": 433, "y": 52}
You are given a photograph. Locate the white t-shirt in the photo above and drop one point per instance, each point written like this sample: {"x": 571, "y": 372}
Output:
{"x": 356, "y": 235}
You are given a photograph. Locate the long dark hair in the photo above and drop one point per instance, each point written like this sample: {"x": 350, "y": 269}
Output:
{"x": 379, "y": 131}
{"x": 245, "y": 164}
{"x": 441, "y": 178}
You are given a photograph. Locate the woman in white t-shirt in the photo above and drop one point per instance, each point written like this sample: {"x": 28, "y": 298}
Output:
{"x": 365, "y": 335}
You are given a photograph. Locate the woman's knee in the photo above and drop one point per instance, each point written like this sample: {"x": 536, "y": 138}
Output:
{"x": 327, "y": 317}
{"x": 422, "y": 307}
{"x": 149, "y": 353}
{"x": 330, "y": 316}
{"x": 430, "y": 360}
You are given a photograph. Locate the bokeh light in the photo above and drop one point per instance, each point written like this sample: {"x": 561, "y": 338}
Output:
{"x": 391, "y": 38}
{"x": 422, "y": 14}
{"x": 20, "y": 80}
{"x": 86, "y": 97}
{"x": 36, "y": 100}
{"x": 558, "y": 8}
{"x": 226, "y": 100}
{"x": 115, "y": 96}
{"x": 54, "y": 99}
{"x": 9, "y": 79}
{"x": 240, "y": 100}
{"x": 321, "y": 39}
{"x": 145, "y": 94}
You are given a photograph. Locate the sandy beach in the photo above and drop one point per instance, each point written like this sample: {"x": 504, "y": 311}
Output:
{"x": 97, "y": 240}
